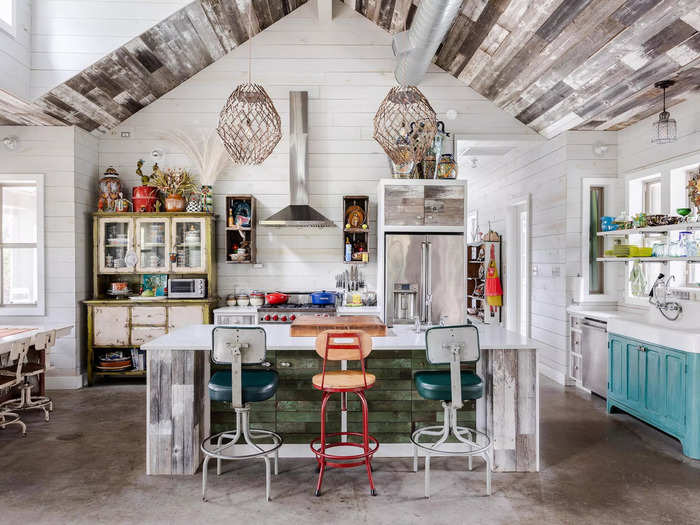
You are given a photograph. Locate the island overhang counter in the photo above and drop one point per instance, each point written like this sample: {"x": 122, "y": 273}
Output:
{"x": 178, "y": 406}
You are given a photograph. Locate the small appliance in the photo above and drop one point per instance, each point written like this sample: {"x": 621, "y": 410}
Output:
{"x": 187, "y": 288}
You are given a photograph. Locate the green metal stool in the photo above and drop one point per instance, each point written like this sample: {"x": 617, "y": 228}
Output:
{"x": 240, "y": 346}
{"x": 451, "y": 345}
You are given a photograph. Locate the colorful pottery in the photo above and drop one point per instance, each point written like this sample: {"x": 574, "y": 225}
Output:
{"x": 144, "y": 198}
{"x": 175, "y": 202}
{"x": 121, "y": 205}
{"x": 447, "y": 169}
{"x": 207, "y": 199}
{"x": 110, "y": 186}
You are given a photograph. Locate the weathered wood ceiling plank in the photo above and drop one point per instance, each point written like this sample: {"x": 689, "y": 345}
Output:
{"x": 552, "y": 64}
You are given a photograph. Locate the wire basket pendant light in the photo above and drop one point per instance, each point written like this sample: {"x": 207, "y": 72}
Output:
{"x": 249, "y": 125}
{"x": 665, "y": 128}
{"x": 405, "y": 125}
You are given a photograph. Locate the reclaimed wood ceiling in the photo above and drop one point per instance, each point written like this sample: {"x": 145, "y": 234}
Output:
{"x": 136, "y": 74}
{"x": 552, "y": 64}
{"x": 557, "y": 65}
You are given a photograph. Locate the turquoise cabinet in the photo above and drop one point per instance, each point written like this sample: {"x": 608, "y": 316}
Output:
{"x": 659, "y": 385}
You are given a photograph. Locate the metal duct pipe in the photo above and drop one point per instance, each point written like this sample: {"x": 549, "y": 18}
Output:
{"x": 416, "y": 47}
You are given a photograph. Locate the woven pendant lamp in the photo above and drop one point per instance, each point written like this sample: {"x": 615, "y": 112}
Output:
{"x": 405, "y": 125}
{"x": 249, "y": 125}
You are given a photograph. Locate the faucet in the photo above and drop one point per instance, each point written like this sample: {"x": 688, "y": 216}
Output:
{"x": 658, "y": 297}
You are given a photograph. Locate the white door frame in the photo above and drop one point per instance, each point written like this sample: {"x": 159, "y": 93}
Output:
{"x": 512, "y": 290}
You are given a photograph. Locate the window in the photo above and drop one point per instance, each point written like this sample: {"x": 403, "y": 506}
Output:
{"x": 596, "y": 244}
{"x": 652, "y": 196}
{"x": 21, "y": 245}
{"x": 8, "y": 16}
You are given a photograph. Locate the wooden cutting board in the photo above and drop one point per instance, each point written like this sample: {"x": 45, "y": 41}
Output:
{"x": 311, "y": 326}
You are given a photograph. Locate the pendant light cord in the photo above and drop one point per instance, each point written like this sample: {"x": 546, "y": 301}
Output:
{"x": 250, "y": 41}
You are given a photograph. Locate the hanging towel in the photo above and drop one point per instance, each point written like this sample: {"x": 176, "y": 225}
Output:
{"x": 494, "y": 292}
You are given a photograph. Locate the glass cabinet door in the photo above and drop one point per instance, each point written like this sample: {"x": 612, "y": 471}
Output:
{"x": 116, "y": 238}
{"x": 152, "y": 242}
{"x": 188, "y": 244}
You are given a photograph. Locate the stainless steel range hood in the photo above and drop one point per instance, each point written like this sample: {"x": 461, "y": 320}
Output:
{"x": 298, "y": 213}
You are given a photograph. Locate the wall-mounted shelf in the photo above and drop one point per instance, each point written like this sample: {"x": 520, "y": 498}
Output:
{"x": 649, "y": 259}
{"x": 478, "y": 259}
{"x": 357, "y": 235}
{"x": 238, "y": 236}
{"x": 684, "y": 226}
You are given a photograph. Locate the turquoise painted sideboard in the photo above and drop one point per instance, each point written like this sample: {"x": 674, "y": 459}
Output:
{"x": 656, "y": 384}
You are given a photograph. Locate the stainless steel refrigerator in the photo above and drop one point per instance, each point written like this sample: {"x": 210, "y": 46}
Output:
{"x": 424, "y": 278}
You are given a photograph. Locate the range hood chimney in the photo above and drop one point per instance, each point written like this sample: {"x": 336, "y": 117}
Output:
{"x": 298, "y": 213}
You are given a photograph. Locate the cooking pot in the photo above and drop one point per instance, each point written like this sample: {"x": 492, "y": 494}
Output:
{"x": 276, "y": 298}
{"x": 323, "y": 297}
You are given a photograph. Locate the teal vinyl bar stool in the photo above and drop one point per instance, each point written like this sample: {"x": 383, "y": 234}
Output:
{"x": 451, "y": 345}
{"x": 240, "y": 346}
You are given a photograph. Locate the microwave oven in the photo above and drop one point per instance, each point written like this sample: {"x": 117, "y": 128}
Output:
{"x": 187, "y": 288}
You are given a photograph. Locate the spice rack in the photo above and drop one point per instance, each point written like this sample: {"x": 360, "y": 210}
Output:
{"x": 240, "y": 234}
{"x": 478, "y": 260}
{"x": 357, "y": 234}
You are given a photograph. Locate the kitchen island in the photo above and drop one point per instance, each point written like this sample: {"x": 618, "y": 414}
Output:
{"x": 178, "y": 406}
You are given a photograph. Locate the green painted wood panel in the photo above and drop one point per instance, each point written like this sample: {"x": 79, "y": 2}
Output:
{"x": 617, "y": 380}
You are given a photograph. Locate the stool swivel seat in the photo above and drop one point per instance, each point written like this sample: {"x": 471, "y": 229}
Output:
{"x": 453, "y": 345}
{"x": 239, "y": 347}
{"x": 344, "y": 345}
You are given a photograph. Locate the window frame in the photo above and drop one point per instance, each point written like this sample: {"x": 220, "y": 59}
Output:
{"x": 11, "y": 29}
{"x": 38, "y": 308}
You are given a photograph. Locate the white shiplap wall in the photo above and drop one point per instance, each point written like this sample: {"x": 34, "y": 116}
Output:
{"x": 69, "y": 35}
{"x": 551, "y": 173}
{"x": 636, "y": 151}
{"x": 347, "y": 67}
{"x": 15, "y": 53}
{"x": 63, "y": 155}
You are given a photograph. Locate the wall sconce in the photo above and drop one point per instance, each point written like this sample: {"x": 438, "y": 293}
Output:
{"x": 10, "y": 143}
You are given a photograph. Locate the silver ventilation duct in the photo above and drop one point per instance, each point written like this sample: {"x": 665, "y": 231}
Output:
{"x": 416, "y": 47}
{"x": 298, "y": 213}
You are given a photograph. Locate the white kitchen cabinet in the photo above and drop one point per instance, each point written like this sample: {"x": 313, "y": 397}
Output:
{"x": 116, "y": 238}
{"x": 181, "y": 316}
{"x": 148, "y": 315}
{"x": 189, "y": 238}
{"x": 153, "y": 244}
{"x": 144, "y": 334}
{"x": 111, "y": 326}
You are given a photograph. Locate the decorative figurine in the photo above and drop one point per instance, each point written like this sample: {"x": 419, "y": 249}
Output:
{"x": 121, "y": 204}
{"x": 110, "y": 186}
{"x": 144, "y": 196}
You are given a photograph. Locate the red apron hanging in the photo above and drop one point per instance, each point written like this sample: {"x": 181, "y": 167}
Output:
{"x": 494, "y": 292}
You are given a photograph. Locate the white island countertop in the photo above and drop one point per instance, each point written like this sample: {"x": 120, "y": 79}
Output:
{"x": 198, "y": 337}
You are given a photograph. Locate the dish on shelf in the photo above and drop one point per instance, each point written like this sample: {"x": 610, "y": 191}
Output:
{"x": 119, "y": 293}
{"x": 640, "y": 251}
{"x": 114, "y": 368}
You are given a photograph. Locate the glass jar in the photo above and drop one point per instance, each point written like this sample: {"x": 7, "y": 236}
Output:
{"x": 687, "y": 244}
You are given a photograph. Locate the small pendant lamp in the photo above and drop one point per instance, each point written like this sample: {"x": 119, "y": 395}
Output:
{"x": 405, "y": 125}
{"x": 665, "y": 128}
{"x": 249, "y": 125}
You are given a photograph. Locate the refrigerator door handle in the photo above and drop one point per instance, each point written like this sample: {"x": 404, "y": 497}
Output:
{"x": 423, "y": 282}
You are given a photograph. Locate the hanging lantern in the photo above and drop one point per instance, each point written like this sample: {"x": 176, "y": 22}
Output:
{"x": 665, "y": 129}
{"x": 249, "y": 125}
{"x": 405, "y": 125}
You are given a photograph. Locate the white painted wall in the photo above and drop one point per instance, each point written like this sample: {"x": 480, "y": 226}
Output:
{"x": 15, "y": 53}
{"x": 636, "y": 152}
{"x": 67, "y": 157}
{"x": 551, "y": 172}
{"x": 69, "y": 35}
{"x": 347, "y": 67}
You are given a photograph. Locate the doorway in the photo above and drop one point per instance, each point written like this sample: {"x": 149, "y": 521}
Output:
{"x": 518, "y": 233}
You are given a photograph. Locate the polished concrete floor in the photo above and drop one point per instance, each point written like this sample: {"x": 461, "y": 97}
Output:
{"x": 87, "y": 466}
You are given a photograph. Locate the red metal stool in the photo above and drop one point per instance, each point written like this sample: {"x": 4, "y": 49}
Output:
{"x": 334, "y": 345}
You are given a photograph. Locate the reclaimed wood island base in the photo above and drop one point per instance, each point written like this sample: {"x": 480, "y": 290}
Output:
{"x": 180, "y": 415}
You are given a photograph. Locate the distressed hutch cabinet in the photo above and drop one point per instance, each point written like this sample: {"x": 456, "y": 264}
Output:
{"x": 128, "y": 246}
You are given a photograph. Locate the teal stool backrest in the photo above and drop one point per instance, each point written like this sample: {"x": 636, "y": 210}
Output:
{"x": 453, "y": 345}
{"x": 238, "y": 346}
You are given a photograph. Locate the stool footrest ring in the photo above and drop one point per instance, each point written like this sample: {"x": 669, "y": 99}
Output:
{"x": 215, "y": 450}
{"x": 373, "y": 445}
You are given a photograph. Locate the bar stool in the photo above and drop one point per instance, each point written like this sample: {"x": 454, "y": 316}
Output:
{"x": 42, "y": 341}
{"x": 11, "y": 376}
{"x": 451, "y": 345}
{"x": 334, "y": 345}
{"x": 240, "y": 346}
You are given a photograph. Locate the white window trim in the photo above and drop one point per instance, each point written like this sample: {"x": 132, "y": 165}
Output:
{"x": 38, "y": 309}
{"x": 7, "y": 28}
{"x": 512, "y": 290}
{"x": 610, "y": 190}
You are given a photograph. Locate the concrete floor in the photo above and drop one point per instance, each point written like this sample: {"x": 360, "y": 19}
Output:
{"x": 87, "y": 466}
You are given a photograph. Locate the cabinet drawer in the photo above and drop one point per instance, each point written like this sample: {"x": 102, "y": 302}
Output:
{"x": 576, "y": 323}
{"x": 182, "y": 316}
{"x": 151, "y": 315}
{"x": 576, "y": 342}
{"x": 575, "y": 367}
{"x": 111, "y": 326}
{"x": 404, "y": 205}
{"x": 144, "y": 334}
{"x": 444, "y": 205}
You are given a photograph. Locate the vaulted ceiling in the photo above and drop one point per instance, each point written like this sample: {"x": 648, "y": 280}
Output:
{"x": 552, "y": 64}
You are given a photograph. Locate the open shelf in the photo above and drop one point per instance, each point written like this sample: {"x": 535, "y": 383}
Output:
{"x": 652, "y": 229}
{"x": 356, "y": 234}
{"x": 237, "y": 235}
{"x": 648, "y": 259}
{"x": 122, "y": 373}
